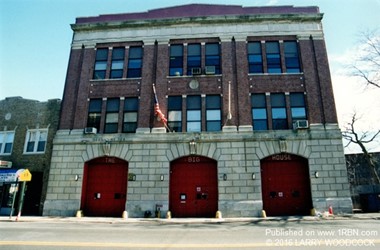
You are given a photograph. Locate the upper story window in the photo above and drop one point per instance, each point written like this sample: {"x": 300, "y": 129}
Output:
{"x": 6, "y": 142}
{"x": 194, "y": 113}
{"x": 117, "y": 64}
{"x": 131, "y": 105}
{"x": 35, "y": 141}
{"x": 255, "y": 59}
{"x": 176, "y": 60}
{"x": 279, "y": 118}
{"x": 135, "y": 62}
{"x": 272, "y": 50}
{"x": 213, "y": 113}
{"x": 194, "y": 58}
{"x": 94, "y": 113}
{"x": 112, "y": 115}
{"x": 175, "y": 113}
{"x": 297, "y": 106}
{"x": 212, "y": 58}
{"x": 101, "y": 63}
{"x": 259, "y": 112}
{"x": 292, "y": 62}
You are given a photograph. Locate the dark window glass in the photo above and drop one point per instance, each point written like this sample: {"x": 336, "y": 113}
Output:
{"x": 112, "y": 115}
{"x": 297, "y": 106}
{"x": 175, "y": 113}
{"x": 212, "y": 57}
{"x": 255, "y": 59}
{"x": 291, "y": 57}
{"x": 94, "y": 113}
{"x": 259, "y": 112}
{"x": 130, "y": 115}
{"x": 135, "y": 62}
{"x": 193, "y": 57}
{"x": 176, "y": 60}
{"x": 117, "y": 63}
{"x": 193, "y": 113}
{"x": 100, "y": 63}
{"x": 279, "y": 119}
{"x": 213, "y": 113}
{"x": 273, "y": 57}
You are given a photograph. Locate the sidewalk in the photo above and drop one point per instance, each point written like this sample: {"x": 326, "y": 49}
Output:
{"x": 111, "y": 220}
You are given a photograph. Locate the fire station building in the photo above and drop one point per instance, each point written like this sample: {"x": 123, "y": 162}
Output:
{"x": 251, "y": 120}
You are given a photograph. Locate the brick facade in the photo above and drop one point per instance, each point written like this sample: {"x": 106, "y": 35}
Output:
{"x": 237, "y": 148}
{"x": 20, "y": 115}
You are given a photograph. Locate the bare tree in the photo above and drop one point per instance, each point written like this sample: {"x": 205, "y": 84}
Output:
{"x": 360, "y": 139}
{"x": 367, "y": 64}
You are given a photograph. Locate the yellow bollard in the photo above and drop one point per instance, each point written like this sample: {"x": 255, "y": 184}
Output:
{"x": 218, "y": 215}
{"x": 312, "y": 212}
{"x": 263, "y": 214}
{"x": 79, "y": 214}
{"x": 168, "y": 215}
{"x": 124, "y": 215}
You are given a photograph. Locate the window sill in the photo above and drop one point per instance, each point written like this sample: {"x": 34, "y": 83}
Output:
{"x": 192, "y": 76}
{"x": 273, "y": 74}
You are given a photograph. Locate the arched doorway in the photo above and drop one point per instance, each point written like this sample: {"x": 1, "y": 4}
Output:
{"x": 104, "y": 187}
{"x": 286, "y": 185}
{"x": 193, "y": 187}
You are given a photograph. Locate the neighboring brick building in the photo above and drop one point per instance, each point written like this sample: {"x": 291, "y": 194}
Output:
{"x": 247, "y": 91}
{"x": 27, "y": 129}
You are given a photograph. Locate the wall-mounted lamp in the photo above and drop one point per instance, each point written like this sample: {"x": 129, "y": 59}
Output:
{"x": 131, "y": 177}
{"x": 253, "y": 176}
{"x": 76, "y": 177}
{"x": 193, "y": 147}
{"x": 162, "y": 177}
{"x": 225, "y": 177}
{"x": 316, "y": 174}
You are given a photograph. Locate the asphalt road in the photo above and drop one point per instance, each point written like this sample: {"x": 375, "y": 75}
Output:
{"x": 260, "y": 234}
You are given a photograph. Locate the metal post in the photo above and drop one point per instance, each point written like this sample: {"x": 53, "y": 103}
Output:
{"x": 13, "y": 199}
{"x": 21, "y": 201}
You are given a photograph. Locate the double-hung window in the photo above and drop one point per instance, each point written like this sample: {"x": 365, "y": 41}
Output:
{"x": 112, "y": 115}
{"x": 94, "y": 113}
{"x": 6, "y": 142}
{"x": 279, "y": 118}
{"x": 117, "y": 64}
{"x": 255, "y": 59}
{"x": 175, "y": 113}
{"x": 35, "y": 141}
{"x": 176, "y": 60}
{"x": 297, "y": 106}
{"x": 273, "y": 57}
{"x": 193, "y": 58}
{"x": 259, "y": 112}
{"x": 101, "y": 63}
{"x": 194, "y": 113}
{"x": 131, "y": 106}
{"x": 135, "y": 62}
{"x": 213, "y": 113}
{"x": 292, "y": 62}
{"x": 212, "y": 57}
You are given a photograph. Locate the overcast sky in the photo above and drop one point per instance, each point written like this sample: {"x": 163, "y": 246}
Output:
{"x": 35, "y": 37}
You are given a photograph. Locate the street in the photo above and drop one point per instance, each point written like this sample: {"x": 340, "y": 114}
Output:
{"x": 208, "y": 234}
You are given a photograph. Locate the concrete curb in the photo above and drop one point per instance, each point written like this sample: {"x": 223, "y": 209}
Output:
{"x": 370, "y": 216}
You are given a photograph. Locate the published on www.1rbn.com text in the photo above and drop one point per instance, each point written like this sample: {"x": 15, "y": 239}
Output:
{"x": 344, "y": 237}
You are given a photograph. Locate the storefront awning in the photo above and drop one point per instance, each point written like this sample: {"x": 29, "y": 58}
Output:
{"x": 14, "y": 175}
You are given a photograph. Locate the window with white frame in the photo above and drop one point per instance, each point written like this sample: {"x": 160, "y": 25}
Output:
{"x": 6, "y": 142}
{"x": 35, "y": 141}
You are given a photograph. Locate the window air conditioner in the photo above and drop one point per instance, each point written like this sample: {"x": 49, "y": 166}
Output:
{"x": 196, "y": 71}
{"x": 90, "y": 130}
{"x": 300, "y": 124}
{"x": 210, "y": 70}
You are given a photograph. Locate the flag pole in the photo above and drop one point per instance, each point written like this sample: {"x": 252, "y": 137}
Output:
{"x": 157, "y": 110}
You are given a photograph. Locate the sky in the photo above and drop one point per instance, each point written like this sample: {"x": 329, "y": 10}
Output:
{"x": 35, "y": 38}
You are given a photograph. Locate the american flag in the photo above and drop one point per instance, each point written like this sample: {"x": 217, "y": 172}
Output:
{"x": 157, "y": 111}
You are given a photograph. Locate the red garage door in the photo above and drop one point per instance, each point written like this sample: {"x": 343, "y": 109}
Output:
{"x": 286, "y": 185}
{"x": 105, "y": 187}
{"x": 193, "y": 187}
